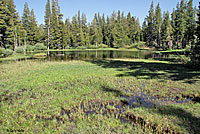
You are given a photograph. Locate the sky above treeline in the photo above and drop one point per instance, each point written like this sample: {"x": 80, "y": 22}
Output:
{"x": 69, "y": 8}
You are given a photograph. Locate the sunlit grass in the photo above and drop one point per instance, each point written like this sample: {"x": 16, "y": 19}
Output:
{"x": 37, "y": 96}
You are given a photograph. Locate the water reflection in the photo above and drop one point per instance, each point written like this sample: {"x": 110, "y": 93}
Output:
{"x": 97, "y": 54}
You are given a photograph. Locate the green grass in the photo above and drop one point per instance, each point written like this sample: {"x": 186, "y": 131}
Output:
{"x": 14, "y": 57}
{"x": 36, "y": 96}
{"x": 40, "y": 55}
{"x": 171, "y": 51}
{"x": 124, "y": 49}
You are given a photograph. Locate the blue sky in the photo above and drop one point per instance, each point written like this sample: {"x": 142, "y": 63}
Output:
{"x": 69, "y": 8}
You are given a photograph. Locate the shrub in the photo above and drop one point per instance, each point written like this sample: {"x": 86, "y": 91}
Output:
{"x": 103, "y": 46}
{"x": 92, "y": 47}
{"x": 29, "y": 48}
{"x": 40, "y": 46}
{"x": 19, "y": 50}
{"x": 81, "y": 47}
{"x": 67, "y": 47}
{"x": 2, "y": 52}
{"x": 116, "y": 46}
{"x": 5, "y": 52}
{"x": 40, "y": 55}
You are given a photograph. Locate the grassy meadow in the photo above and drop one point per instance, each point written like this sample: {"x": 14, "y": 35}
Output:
{"x": 104, "y": 96}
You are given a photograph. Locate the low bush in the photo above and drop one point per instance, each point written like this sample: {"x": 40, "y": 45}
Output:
{"x": 2, "y": 51}
{"x": 81, "y": 47}
{"x": 103, "y": 46}
{"x": 29, "y": 48}
{"x": 67, "y": 47}
{"x": 92, "y": 47}
{"x": 140, "y": 44}
{"x": 8, "y": 52}
{"x": 19, "y": 50}
{"x": 5, "y": 52}
{"x": 40, "y": 46}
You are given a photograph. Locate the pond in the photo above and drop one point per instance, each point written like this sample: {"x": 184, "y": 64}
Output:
{"x": 97, "y": 55}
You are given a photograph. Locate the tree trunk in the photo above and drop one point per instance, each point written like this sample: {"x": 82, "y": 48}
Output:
{"x": 19, "y": 42}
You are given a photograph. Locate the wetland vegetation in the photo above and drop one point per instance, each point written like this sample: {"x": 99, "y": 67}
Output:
{"x": 99, "y": 96}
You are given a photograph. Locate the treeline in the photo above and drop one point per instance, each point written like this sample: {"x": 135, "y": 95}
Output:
{"x": 178, "y": 32}
{"x": 115, "y": 31}
{"x": 159, "y": 30}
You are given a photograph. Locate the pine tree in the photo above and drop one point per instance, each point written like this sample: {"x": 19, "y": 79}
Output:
{"x": 181, "y": 24}
{"x": 166, "y": 32}
{"x": 75, "y": 31}
{"x": 195, "y": 57}
{"x": 14, "y": 26}
{"x": 158, "y": 24}
{"x": 107, "y": 32}
{"x": 126, "y": 39}
{"x": 144, "y": 31}
{"x": 4, "y": 20}
{"x": 119, "y": 34}
{"x": 190, "y": 26}
{"x": 104, "y": 28}
{"x": 67, "y": 34}
{"x": 79, "y": 19}
{"x": 26, "y": 21}
{"x": 33, "y": 29}
{"x": 130, "y": 24}
{"x": 173, "y": 24}
{"x": 40, "y": 33}
{"x": 84, "y": 22}
{"x": 138, "y": 30}
{"x": 55, "y": 29}
{"x": 113, "y": 30}
{"x": 85, "y": 29}
{"x": 100, "y": 34}
{"x": 94, "y": 32}
{"x": 151, "y": 26}
{"x": 47, "y": 20}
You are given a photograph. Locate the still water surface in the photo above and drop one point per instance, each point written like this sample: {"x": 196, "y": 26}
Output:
{"x": 98, "y": 55}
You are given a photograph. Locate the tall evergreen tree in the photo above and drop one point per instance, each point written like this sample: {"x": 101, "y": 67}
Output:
{"x": 119, "y": 34}
{"x": 181, "y": 24}
{"x": 100, "y": 34}
{"x": 173, "y": 24}
{"x": 67, "y": 34}
{"x": 124, "y": 22}
{"x": 113, "y": 22}
{"x": 47, "y": 20}
{"x": 85, "y": 30}
{"x": 4, "y": 20}
{"x": 130, "y": 28}
{"x": 104, "y": 29}
{"x": 196, "y": 49}
{"x": 166, "y": 32}
{"x": 158, "y": 24}
{"x": 144, "y": 31}
{"x": 40, "y": 33}
{"x": 94, "y": 32}
{"x": 14, "y": 26}
{"x": 55, "y": 29}
{"x": 75, "y": 31}
{"x": 151, "y": 26}
{"x": 138, "y": 30}
{"x": 107, "y": 32}
{"x": 26, "y": 21}
{"x": 33, "y": 29}
{"x": 190, "y": 26}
